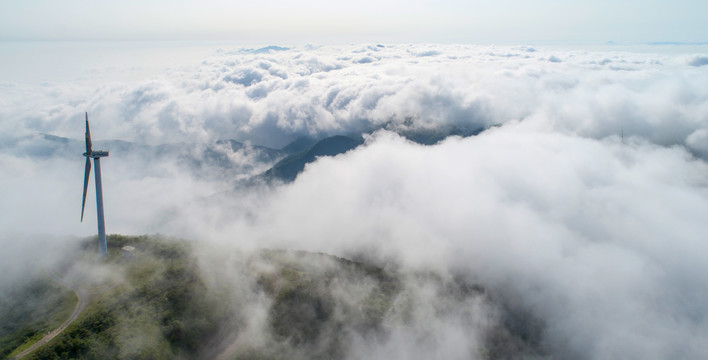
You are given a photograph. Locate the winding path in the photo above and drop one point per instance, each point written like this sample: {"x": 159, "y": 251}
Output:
{"x": 83, "y": 297}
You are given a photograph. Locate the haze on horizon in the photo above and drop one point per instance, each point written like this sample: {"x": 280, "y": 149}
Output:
{"x": 285, "y": 22}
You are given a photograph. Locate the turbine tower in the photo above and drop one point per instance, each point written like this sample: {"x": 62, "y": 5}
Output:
{"x": 96, "y": 156}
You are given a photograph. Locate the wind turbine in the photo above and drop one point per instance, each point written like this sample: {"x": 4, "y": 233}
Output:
{"x": 96, "y": 156}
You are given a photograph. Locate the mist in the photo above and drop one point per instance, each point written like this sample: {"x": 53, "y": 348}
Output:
{"x": 583, "y": 202}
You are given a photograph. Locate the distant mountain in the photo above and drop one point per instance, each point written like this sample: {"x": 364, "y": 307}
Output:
{"x": 300, "y": 144}
{"x": 288, "y": 168}
{"x": 264, "y": 50}
{"x": 264, "y": 154}
{"x": 40, "y": 146}
{"x": 225, "y": 159}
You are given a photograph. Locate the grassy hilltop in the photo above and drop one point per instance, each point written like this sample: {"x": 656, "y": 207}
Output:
{"x": 166, "y": 303}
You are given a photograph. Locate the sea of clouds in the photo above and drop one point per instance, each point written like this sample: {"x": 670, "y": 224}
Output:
{"x": 269, "y": 97}
{"x": 585, "y": 201}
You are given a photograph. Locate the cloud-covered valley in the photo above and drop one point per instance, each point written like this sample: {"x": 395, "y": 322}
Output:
{"x": 583, "y": 201}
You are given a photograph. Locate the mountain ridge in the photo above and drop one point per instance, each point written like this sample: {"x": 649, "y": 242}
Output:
{"x": 291, "y": 166}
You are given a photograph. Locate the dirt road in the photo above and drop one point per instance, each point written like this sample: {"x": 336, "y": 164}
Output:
{"x": 83, "y": 297}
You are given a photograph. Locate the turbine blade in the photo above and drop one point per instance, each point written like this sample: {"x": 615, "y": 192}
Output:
{"x": 88, "y": 137}
{"x": 86, "y": 180}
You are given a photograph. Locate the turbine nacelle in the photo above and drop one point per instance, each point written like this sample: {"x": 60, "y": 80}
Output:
{"x": 96, "y": 154}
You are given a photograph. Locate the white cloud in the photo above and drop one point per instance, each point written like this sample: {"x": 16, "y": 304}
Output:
{"x": 602, "y": 237}
{"x": 603, "y": 240}
{"x": 268, "y": 97}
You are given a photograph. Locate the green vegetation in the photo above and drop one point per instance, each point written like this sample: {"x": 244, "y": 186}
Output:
{"x": 162, "y": 302}
{"x": 30, "y": 310}
{"x": 156, "y": 311}
{"x": 317, "y": 300}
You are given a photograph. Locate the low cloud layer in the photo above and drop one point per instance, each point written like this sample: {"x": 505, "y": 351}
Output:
{"x": 604, "y": 239}
{"x": 271, "y": 96}
{"x": 584, "y": 203}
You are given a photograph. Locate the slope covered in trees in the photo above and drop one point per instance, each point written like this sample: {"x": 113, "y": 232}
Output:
{"x": 172, "y": 299}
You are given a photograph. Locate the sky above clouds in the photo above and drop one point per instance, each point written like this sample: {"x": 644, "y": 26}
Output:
{"x": 362, "y": 21}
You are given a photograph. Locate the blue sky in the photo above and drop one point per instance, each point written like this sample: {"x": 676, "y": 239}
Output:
{"x": 362, "y": 21}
